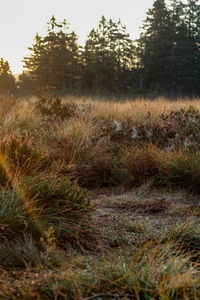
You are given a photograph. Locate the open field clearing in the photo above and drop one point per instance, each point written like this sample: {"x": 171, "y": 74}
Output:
{"x": 99, "y": 198}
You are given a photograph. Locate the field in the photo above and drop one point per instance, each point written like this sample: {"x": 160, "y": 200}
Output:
{"x": 99, "y": 199}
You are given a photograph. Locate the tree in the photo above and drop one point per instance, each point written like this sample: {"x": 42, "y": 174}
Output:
{"x": 154, "y": 47}
{"x": 55, "y": 58}
{"x": 192, "y": 18}
{"x": 25, "y": 83}
{"x": 7, "y": 81}
{"x": 168, "y": 49}
{"x": 185, "y": 49}
{"x": 108, "y": 56}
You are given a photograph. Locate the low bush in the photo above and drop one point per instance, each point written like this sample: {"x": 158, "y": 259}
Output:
{"x": 21, "y": 153}
{"x": 177, "y": 129}
{"x": 36, "y": 204}
{"x": 52, "y": 106}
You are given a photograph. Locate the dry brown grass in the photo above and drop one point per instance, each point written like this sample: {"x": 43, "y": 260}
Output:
{"x": 135, "y": 109}
{"x": 134, "y": 243}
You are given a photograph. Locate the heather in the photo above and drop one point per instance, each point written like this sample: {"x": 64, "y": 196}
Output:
{"x": 99, "y": 198}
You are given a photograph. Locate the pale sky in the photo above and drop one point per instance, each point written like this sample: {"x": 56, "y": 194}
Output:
{"x": 21, "y": 19}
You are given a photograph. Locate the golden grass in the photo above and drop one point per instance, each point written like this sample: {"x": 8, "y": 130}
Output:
{"x": 131, "y": 108}
{"x": 90, "y": 107}
{"x": 155, "y": 266}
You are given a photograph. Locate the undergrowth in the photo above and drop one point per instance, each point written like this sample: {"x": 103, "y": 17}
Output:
{"x": 50, "y": 244}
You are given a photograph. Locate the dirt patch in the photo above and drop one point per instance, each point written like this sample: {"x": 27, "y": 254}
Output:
{"x": 126, "y": 218}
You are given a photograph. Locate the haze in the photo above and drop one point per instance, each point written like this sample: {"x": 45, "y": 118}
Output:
{"x": 20, "y": 20}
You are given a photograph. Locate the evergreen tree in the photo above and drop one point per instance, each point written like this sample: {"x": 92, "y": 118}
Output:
{"x": 154, "y": 47}
{"x": 55, "y": 58}
{"x": 7, "y": 81}
{"x": 192, "y": 17}
{"x": 185, "y": 50}
{"x": 26, "y": 83}
{"x": 164, "y": 60}
{"x": 168, "y": 49}
{"x": 108, "y": 57}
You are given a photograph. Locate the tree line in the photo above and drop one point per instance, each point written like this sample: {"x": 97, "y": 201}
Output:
{"x": 165, "y": 59}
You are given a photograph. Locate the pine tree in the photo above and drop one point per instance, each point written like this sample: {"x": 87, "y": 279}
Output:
{"x": 7, "y": 81}
{"x": 55, "y": 58}
{"x": 108, "y": 56}
{"x": 154, "y": 47}
{"x": 26, "y": 84}
{"x": 192, "y": 18}
{"x": 179, "y": 47}
{"x": 185, "y": 51}
{"x": 168, "y": 49}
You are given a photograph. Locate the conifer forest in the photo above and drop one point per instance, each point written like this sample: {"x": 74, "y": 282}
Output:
{"x": 164, "y": 60}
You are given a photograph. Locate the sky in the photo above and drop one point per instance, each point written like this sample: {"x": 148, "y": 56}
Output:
{"x": 20, "y": 20}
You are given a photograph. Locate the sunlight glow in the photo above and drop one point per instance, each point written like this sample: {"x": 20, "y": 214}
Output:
{"x": 20, "y": 20}
{"x": 16, "y": 183}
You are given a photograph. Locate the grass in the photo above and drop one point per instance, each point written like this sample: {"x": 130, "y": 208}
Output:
{"x": 99, "y": 198}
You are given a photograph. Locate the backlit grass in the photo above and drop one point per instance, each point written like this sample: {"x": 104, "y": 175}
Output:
{"x": 99, "y": 198}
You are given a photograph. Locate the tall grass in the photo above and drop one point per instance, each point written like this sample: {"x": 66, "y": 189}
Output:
{"x": 136, "y": 109}
{"x": 109, "y": 142}
{"x": 49, "y": 151}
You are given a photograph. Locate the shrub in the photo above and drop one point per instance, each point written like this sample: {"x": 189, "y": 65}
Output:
{"x": 20, "y": 152}
{"x": 36, "y": 204}
{"x": 177, "y": 129}
{"x": 102, "y": 172}
{"x": 51, "y": 106}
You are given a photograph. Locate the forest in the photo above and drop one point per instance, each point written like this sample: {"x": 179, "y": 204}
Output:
{"x": 164, "y": 60}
